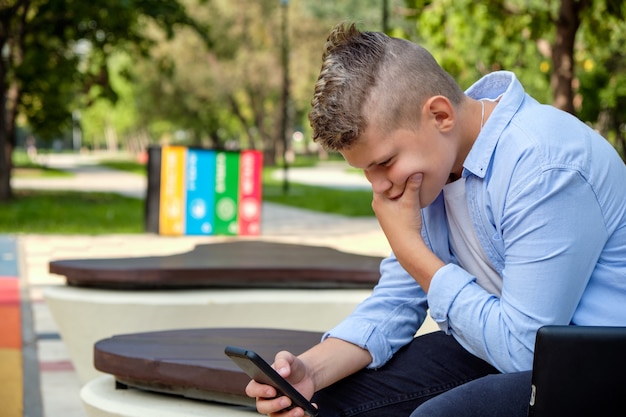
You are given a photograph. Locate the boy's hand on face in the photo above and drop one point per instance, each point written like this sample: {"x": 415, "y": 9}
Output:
{"x": 401, "y": 221}
{"x": 400, "y": 218}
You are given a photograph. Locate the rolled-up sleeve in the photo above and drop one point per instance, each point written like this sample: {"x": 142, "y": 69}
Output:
{"x": 389, "y": 318}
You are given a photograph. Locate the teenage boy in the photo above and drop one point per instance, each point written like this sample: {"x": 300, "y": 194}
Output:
{"x": 503, "y": 215}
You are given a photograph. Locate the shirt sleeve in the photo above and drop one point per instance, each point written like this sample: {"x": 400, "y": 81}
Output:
{"x": 552, "y": 230}
{"x": 389, "y": 318}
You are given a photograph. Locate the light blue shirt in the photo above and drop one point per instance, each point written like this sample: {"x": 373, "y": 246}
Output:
{"x": 547, "y": 198}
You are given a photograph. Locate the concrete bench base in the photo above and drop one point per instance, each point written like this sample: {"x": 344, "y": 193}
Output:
{"x": 85, "y": 316}
{"x": 101, "y": 399}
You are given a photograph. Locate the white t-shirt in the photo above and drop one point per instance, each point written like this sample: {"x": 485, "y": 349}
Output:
{"x": 465, "y": 245}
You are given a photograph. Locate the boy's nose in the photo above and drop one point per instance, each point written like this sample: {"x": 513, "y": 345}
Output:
{"x": 380, "y": 183}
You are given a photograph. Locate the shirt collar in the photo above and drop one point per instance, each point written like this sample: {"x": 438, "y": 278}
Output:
{"x": 502, "y": 84}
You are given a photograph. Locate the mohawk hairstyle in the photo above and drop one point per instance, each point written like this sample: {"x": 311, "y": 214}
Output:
{"x": 350, "y": 64}
{"x": 369, "y": 77}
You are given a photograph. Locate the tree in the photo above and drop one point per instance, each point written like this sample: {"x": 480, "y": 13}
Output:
{"x": 567, "y": 24}
{"x": 54, "y": 56}
{"x": 230, "y": 94}
{"x": 227, "y": 93}
{"x": 558, "y": 48}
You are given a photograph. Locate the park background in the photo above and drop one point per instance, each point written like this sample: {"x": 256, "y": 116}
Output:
{"x": 113, "y": 75}
{"x": 100, "y": 82}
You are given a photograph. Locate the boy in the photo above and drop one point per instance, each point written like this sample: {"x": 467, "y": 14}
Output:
{"x": 503, "y": 215}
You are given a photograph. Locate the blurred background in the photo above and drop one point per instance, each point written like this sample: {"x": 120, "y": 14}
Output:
{"x": 116, "y": 75}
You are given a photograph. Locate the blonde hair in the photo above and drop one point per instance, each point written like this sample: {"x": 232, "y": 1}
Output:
{"x": 369, "y": 74}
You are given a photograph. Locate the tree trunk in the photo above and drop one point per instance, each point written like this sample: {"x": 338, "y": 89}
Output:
{"x": 6, "y": 150}
{"x": 12, "y": 29}
{"x": 562, "y": 76}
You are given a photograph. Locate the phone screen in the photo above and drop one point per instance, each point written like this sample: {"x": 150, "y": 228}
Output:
{"x": 261, "y": 371}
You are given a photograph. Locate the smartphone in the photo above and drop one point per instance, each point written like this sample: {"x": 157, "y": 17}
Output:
{"x": 261, "y": 371}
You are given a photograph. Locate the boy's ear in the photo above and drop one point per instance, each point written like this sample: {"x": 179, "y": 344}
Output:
{"x": 440, "y": 109}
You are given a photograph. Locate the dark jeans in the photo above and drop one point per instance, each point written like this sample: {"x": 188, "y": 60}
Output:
{"x": 433, "y": 376}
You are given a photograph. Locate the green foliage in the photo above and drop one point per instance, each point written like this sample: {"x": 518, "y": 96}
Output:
{"x": 227, "y": 92}
{"x": 195, "y": 93}
{"x": 602, "y": 69}
{"x": 470, "y": 39}
{"x": 119, "y": 117}
{"x": 59, "y": 51}
{"x": 367, "y": 13}
{"x": 215, "y": 80}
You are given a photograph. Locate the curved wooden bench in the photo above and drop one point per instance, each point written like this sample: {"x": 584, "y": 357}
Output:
{"x": 237, "y": 264}
{"x": 191, "y": 362}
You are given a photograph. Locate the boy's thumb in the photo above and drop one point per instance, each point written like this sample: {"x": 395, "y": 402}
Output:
{"x": 417, "y": 178}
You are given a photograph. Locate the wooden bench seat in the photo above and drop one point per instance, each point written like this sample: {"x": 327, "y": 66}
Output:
{"x": 191, "y": 362}
{"x": 237, "y": 264}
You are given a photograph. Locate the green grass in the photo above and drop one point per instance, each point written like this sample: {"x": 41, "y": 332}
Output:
{"x": 67, "y": 212}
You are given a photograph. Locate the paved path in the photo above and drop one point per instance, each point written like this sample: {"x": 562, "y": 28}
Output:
{"x": 329, "y": 174}
{"x": 87, "y": 176}
{"x": 58, "y": 383}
